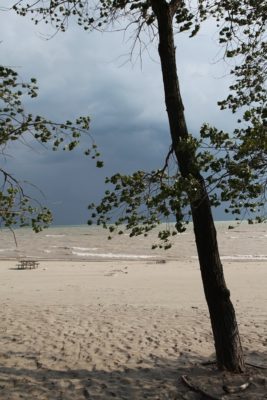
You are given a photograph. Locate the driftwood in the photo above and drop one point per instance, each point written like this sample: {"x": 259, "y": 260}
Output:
{"x": 197, "y": 389}
{"x": 236, "y": 389}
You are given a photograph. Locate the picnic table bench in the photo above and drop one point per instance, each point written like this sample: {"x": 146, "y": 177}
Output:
{"x": 27, "y": 264}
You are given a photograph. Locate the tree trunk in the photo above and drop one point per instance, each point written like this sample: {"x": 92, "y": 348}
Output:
{"x": 222, "y": 314}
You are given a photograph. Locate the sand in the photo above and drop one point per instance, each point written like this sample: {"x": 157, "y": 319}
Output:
{"x": 75, "y": 330}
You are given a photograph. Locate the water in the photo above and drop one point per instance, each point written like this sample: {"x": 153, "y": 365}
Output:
{"x": 244, "y": 242}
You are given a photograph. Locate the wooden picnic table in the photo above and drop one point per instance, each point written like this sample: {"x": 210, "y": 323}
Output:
{"x": 27, "y": 264}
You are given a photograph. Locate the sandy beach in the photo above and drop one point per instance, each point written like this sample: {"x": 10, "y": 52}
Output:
{"x": 124, "y": 329}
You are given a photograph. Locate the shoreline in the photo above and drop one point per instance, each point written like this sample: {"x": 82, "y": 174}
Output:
{"x": 245, "y": 258}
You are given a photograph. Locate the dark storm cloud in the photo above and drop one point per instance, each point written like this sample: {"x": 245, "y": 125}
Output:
{"x": 84, "y": 74}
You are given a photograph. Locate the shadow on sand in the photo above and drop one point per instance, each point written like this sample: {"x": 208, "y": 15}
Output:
{"x": 162, "y": 382}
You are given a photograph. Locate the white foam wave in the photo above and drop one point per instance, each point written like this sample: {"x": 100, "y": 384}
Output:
{"x": 61, "y": 247}
{"x": 2, "y": 250}
{"x": 241, "y": 257}
{"x": 111, "y": 255}
{"x": 261, "y": 257}
{"x": 85, "y": 248}
{"x": 55, "y": 235}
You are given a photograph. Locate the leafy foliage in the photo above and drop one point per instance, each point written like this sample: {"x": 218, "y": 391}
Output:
{"x": 139, "y": 202}
{"x": 235, "y": 173}
{"x": 16, "y": 208}
{"x": 233, "y": 164}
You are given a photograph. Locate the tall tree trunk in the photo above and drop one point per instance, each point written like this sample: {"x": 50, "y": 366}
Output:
{"x": 222, "y": 314}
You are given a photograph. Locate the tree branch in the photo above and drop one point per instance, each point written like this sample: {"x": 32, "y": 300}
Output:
{"x": 174, "y": 5}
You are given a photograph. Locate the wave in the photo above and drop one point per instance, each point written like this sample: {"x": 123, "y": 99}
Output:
{"x": 261, "y": 257}
{"x": 243, "y": 257}
{"x": 61, "y": 247}
{"x": 111, "y": 255}
{"x": 55, "y": 235}
{"x": 85, "y": 248}
{"x": 2, "y": 250}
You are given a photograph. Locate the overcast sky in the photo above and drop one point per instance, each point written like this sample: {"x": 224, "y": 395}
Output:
{"x": 81, "y": 73}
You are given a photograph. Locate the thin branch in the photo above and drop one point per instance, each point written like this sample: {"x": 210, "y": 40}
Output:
{"x": 163, "y": 169}
{"x": 14, "y": 235}
{"x": 174, "y": 5}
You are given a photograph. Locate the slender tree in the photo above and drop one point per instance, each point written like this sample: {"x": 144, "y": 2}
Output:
{"x": 238, "y": 171}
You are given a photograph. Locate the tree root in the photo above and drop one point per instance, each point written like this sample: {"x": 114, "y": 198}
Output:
{"x": 255, "y": 366}
{"x": 211, "y": 362}
{"x": 205, "y": 363}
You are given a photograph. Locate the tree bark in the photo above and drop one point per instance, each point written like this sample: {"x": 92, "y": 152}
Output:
{"x": 222, "y": 314}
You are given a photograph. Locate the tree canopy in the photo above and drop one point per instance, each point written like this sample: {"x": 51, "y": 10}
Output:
{"x": 233, "y": 163}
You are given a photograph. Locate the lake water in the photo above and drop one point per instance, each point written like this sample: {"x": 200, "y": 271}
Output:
{"x": 244, "y": 242}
